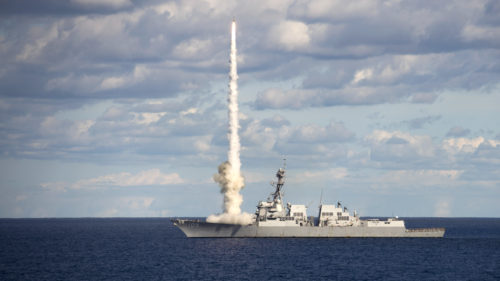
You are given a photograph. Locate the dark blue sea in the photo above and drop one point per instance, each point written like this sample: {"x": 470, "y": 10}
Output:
{"x": 153, "y": 249}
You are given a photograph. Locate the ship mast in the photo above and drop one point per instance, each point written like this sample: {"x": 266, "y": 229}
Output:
{"x": 281, "y": 181}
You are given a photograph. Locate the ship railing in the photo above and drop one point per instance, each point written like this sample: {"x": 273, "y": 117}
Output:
{"x": 183, "y": 221}
{"x": 435, "y": 229}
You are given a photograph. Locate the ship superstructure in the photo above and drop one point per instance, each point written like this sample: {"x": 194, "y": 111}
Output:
{"x": 273, "y": 213}
{"x": 273, "y": 219}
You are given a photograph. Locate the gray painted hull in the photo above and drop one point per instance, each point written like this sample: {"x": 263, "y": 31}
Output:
{"x": 203, "y": 229}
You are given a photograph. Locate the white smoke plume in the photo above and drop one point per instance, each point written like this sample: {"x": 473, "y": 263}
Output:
{"x": 229, "y": 177}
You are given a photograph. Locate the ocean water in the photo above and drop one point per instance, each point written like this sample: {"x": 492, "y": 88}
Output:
{"x": 153, "y": 249}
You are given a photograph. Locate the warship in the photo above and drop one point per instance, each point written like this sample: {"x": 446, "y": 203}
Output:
{"x": 272, "y": 219}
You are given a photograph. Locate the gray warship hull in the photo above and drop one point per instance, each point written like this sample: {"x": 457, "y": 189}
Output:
{"x": 195, "y": 228}
{"x": 272, "y": 219}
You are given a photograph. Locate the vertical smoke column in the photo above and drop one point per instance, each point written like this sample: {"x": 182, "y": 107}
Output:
{"x": 233, "y": 155}
{"x": 229, "y": 177}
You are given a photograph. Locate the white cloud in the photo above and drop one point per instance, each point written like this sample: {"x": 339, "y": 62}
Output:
{"x": 60, "y": 131}
{"x": 103, "y": 3}
{"x": 193, "y": 49}
{"x": 96, "y": 83}
{"x": 466, "y": 145}
{"x": 261, "y": 135}
{"x": 143, "y": 178}
{"x": 290, "y": 35}
{"x": 153, "y": 177}
{"x": 113, "y": 82}
{"x": 32, "y": 51}
{"x": 335, "y": 9}
{"x": 129, "y": 206}
{"x": 203, "y": 143}
{"x": 112, "y": 212}
{"x": 72, "y": 82}
{"x": 138, "y": 75}
{"x": 266, "y": 134}
{"x": 320, "y": 175}
{"x": 256, "y": 177}
{"x": 391, "y": 146}
{"x": 137, "y": 202}
{"x": 276, "y": 98}
{"x": 55, "y": 186}
{"x": 387, "y": 72}
{"x": 472, "y": 32}
{"x": 323, "y": 97}
{"x": 421, "y": 178}
{"x": 363, "y": 74}
{"x": 168, "y": 7}
{"x": 400, "y": 66}
{"x": 189, "y": 111}
{"x": 147, "y": 118}
{"x": 333, "y": 132}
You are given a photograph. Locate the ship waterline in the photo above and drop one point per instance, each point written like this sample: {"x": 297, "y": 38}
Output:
{"x": 193, "y": 228}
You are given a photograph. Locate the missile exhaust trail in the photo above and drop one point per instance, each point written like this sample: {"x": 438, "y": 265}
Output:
{"x": 229, "y": 175}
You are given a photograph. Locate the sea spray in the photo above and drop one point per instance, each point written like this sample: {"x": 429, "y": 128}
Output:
{"x": 229, "y": 175}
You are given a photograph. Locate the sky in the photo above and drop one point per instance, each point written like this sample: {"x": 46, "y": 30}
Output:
{"x": 118, "y": 108}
